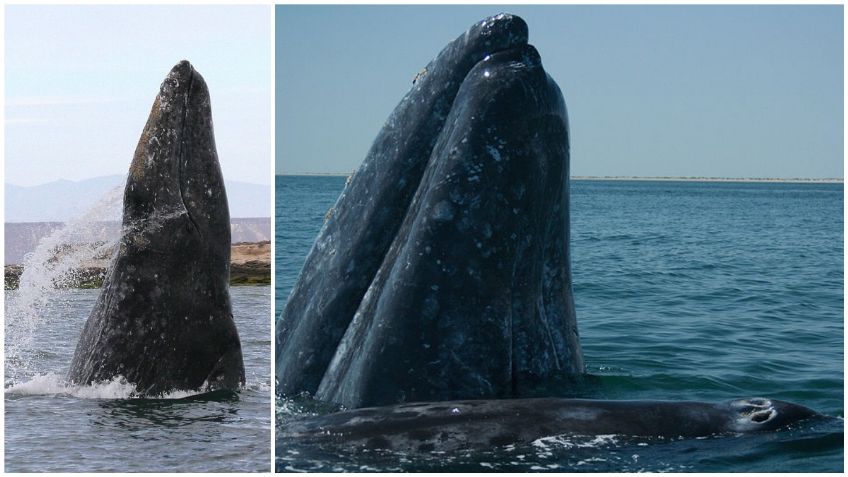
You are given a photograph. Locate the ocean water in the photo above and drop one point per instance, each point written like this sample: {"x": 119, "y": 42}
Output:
{"x": 52, "y": 427}
{"x": 684, "y": 291}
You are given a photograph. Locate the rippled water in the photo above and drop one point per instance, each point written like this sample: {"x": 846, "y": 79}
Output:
{"x": 684, "y": 291}
{"x": 52, "y": 427}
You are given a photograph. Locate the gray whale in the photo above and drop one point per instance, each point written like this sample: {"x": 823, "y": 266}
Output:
{"x": 163, "y": 320}
{"x": 443, "y": 271}
{"x": 484, "y": 424}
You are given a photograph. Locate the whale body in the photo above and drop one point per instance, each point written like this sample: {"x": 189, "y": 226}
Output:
{"x": 485, "y": 424}
{"x": 163, "y": 320}
{"x": 443, "y": 270}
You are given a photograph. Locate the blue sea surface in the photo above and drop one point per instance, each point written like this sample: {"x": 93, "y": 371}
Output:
{"x": 704, "y": 291}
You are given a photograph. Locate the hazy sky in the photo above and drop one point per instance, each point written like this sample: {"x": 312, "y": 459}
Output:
{"x": 80, "y": 81}
{"x": 733, "y": 91}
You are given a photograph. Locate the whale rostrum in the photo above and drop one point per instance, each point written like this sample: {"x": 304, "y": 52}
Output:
{"x": 163, "y": 320}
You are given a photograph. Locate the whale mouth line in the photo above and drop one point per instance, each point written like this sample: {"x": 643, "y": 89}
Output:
{"x": 503, "y": 52}
{"x": 181, "y": 157}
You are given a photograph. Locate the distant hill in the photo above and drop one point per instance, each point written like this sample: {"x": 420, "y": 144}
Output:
{"x": 62, "y": 200}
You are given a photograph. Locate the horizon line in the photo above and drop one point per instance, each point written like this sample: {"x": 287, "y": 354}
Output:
{"x": 834, "y": 180}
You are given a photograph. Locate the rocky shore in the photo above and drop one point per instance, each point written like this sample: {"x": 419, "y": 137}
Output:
{"x": 250, "y": 264}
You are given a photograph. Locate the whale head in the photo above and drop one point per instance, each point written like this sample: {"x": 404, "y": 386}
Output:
{"x": 175, "y": 183}
{"x": 163, "y": 320}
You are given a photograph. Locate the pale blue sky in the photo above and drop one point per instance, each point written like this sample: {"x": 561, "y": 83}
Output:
{"x": 80, "y": 81}
{"x": 732, "y": 91}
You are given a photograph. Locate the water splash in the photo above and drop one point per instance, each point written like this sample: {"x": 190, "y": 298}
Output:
{"x": 48, "y": 271}
{"x": 115, "y": 388}
{"x": 52, "y": 384}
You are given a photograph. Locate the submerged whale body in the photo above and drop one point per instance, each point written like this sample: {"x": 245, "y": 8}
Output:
{"x": 163, "y": 320}
{"x": 459, "y": 425}
{"x": 443, "y": 270}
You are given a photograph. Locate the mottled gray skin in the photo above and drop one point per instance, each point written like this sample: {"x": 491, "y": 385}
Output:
{"x": 448, "y": 426}
{"x": 443, "y": 271}
{"x": 163, "y": 319}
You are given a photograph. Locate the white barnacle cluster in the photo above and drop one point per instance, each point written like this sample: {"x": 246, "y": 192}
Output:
{"x": 166, "y": 92}
{"x": 474, "y": 171}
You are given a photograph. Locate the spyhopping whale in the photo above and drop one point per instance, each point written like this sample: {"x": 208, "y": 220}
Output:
{"x": 163, "y": 320}
{"x": 443, "y": 271}
{"x": 442, "y": 276}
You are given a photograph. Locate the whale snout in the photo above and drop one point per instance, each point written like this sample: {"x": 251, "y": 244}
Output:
{"x": 487, "y": 37}
{"x": 503, "y": 30}
{"x": 175, "y": 171}
{"x": 176, "y": 86}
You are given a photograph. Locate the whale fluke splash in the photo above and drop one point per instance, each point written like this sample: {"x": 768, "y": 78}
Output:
{"x": 163, "y": 320}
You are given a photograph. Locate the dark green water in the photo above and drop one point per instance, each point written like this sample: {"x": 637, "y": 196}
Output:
{"x": 684, "y": 291}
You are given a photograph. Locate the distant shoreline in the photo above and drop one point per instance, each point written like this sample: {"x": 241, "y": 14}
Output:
{"x": 794, "y": 180}
{"x": 332, "y": 174}
{"x": 250, "y": 264}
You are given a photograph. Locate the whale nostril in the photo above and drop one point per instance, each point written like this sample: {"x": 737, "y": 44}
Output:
{"x": 762, "y": 416}
{"x": 759, "y": 402}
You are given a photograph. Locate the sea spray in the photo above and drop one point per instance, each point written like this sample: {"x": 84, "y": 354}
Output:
{"x": 115, "y": 388}
{"x": 47, "y": 272}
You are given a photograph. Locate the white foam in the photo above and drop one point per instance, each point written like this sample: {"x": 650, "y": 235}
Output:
{"x": 117, "y": 388}
{"x": 569, "y": 442}
{"x": 53, "y": 384}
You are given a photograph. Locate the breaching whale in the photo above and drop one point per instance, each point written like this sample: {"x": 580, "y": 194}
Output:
{"x": 163, "y": 320}
{"x": 484, "y": 424}
{"x": 443, "y": 270}
{"x": 442, "y": 274}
